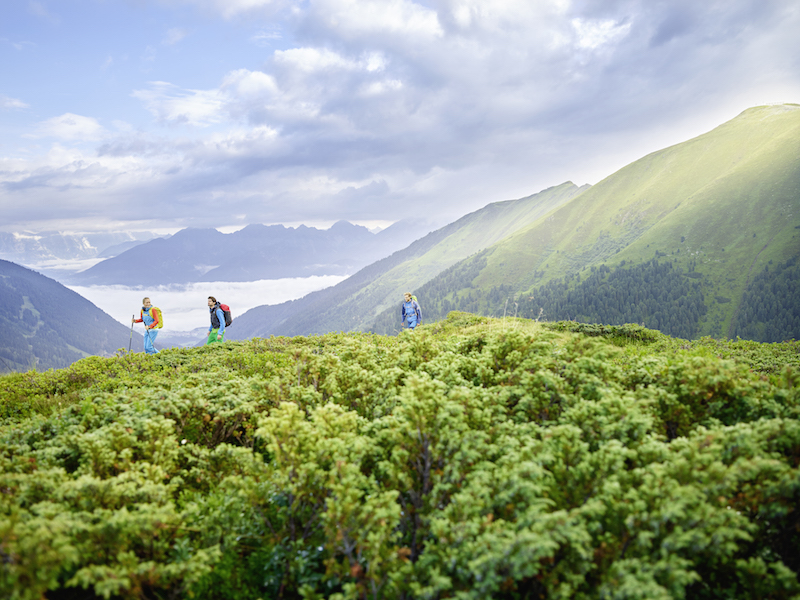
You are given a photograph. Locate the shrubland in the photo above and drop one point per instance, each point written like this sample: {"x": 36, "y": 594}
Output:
{"x": 473, "y": 458}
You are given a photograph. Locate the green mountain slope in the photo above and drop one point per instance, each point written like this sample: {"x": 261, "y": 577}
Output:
{"x": 719, "y": 209}
{"x": 354, "y": 303}
{"x": 46, "y": 325}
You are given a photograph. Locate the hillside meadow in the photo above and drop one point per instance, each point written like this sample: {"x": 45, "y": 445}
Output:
{"x": 473, "y": 458}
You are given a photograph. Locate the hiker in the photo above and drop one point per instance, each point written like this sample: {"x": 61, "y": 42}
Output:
{"x": 410, "y": 312}
{"x": 216, "y": 332}
{"x": 150, "y": 317}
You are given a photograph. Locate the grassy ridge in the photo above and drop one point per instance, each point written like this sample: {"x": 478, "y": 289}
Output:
{"x": 474, "y": 458}
{"x": 714, "y": 191}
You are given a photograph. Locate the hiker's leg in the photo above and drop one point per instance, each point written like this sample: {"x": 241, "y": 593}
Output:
{"x": 212, "y": 336}
{"x": 153, "y": 334}
{"x": 148, "y": 342}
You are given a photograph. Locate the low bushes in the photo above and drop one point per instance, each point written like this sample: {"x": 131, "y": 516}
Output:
{"x": 474, "y": 458}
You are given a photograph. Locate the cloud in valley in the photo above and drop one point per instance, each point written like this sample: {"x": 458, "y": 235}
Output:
{"x": 185, "y": 306}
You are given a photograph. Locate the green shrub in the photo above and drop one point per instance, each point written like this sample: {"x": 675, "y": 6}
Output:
{"x": 474, "y": 458}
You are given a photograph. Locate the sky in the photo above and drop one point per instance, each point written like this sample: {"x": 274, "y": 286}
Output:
{"x": 133, "y": 115}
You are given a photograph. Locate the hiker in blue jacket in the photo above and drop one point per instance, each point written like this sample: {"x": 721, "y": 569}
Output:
{"x": 216, "y": 332}
{"x": 410, "y": 312}
{"x": 150, "y": 319}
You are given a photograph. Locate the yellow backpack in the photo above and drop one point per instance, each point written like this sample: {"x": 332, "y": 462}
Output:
{"x": 157, "y": 315}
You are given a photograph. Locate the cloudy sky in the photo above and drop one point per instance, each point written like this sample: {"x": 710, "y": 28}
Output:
{"x": 144, "y": 114}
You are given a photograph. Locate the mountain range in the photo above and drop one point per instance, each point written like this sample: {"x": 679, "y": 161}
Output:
{"x": 700, "y": 238}
{"x": 54, "y": 245}
{"x": 355, "y": 302}
{"x": 46, "y": 325}
{"x": 250, "y": 254}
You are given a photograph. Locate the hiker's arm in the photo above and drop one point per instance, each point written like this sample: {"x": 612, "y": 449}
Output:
{"x": 154, "y": 314}
{"x": 221, "y": 317}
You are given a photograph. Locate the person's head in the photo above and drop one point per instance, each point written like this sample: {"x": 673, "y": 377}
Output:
{"x": 212, "y": 302}
{"x": 146, "y": 302}
{"x": 407, "y": 296}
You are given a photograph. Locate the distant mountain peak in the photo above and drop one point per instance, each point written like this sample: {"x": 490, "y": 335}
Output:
{"x": 343, "y": 226}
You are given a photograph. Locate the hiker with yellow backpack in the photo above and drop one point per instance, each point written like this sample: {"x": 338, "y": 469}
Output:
{"x": 153, "y": 321}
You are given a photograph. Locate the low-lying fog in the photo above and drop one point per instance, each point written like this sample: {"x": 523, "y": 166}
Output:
{"x": 185, "y": 306}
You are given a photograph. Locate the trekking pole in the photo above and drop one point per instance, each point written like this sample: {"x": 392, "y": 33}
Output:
{"x": 130, "y": 343}
{"x": 147, "y": 331}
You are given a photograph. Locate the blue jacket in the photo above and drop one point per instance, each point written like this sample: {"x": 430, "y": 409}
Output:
{"x": 410, "y": 308}
{"x": 146, "y": 317}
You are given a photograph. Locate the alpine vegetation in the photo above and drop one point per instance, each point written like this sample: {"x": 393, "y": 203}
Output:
{"x": 473, "y": 458}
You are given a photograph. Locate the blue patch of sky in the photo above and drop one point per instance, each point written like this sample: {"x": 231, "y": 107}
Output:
{"x": 50, "y": 59}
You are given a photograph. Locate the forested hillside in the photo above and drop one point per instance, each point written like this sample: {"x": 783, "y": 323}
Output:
{"x": 475, "y": 458}
{"x": 46, "y": 325}
{"x": 654, "y": 294}
{"x": 770, "y": 309}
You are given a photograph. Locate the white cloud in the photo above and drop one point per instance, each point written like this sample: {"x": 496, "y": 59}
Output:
{"x": 266, "y": 37}
{"x": 173, "y": 36}
{"x": 375, "y": 61}
{"x": 245, "y": 83}
{"x": 358, "y": 18}
{"x": 317, "y": 59}
{"x": 594, "y": 34}
{"x": 245, "y": 143}
{"x": 191, "y": 107}
{"x": 9, "y": 103}
{"x": 503, "y": 15}
{"x": 71, "y": 127}
{"x": 381, "y": 87}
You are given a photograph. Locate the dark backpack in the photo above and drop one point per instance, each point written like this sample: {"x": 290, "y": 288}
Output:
{"x": 226, "y": 310}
